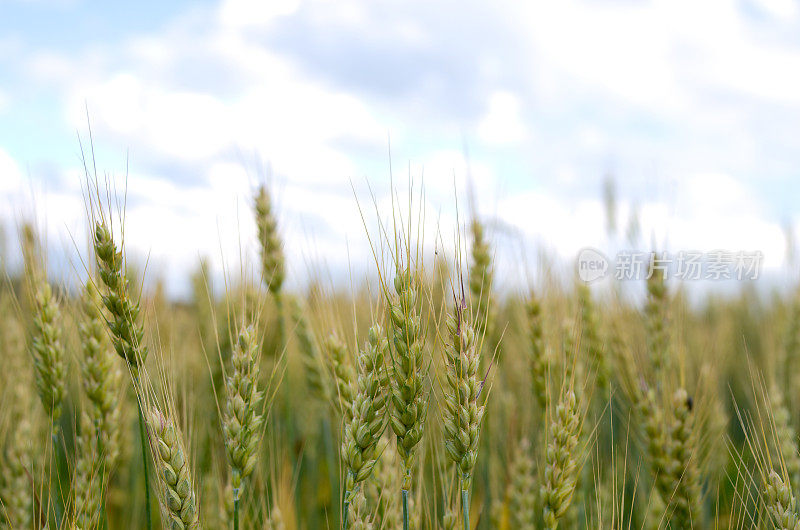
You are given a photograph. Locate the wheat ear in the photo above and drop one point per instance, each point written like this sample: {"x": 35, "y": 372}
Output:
{"x": 463, "y": 411}
{"x": 316, "y": 378}
{"x": 679, "y": 480}
{"x": 785, "y": 437}
{"x": 383, "y": 485}
{"x": 243, "y": 414}
{"x": 656, "y": 319}
{"x": 273, "y": 268}
{"x": 522, "y": 488}
{"x": 538, "y": 358}
{"x": 89, "y": 477}
{"x": 16, "y": 499}
{"x": 126, "y": 329}
{"x": 368, "y": 415}
{"x": 481, "y": 277}
{"x": 101, "y": 376}
{"x": 179, "y": 506}
{"x": 591, "y": 343}
{"x": 127, "y": 333}
{"x": 781, "y": 503}
{"x": 344, "y": 376}
{"x": 561, "y": 462}
{"x": 407, "y": 375}
{"x": 47, "y": 352}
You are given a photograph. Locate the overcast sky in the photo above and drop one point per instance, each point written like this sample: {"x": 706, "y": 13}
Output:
{"x": 693, "y": 107}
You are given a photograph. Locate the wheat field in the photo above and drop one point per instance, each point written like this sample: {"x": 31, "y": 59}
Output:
{"x": 425, "y": 398}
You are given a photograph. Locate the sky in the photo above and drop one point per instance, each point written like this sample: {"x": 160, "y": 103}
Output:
{"x": 691, "y": 108}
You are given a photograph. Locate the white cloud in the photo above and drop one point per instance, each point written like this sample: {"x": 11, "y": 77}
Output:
{"x": 502, "y": 123}
{"x": 561, "y": 87}
{"x": 245, "y": 13}
{"x": 10, "y": 174}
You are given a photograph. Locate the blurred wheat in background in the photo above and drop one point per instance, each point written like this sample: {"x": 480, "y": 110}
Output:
{"x": 420, "y": 398}
{"x": 399, "y": 265}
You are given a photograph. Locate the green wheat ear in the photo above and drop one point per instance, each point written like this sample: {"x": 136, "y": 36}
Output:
{"x": 781, "y": 503}
{"x": 367, "y": 419}
{"x": 481, "y": 278}
{"x": 272, "y": 261}
{"x": 561, "y": 461}
{"x": 463, "y": 411}
{"x": 407, "y": 371}
{"x": 522, "y": 488}
{"x": 316, "y": 377}
{"x": 538, "y": 358}
{"x": 47, "y": 352}
{"x": 179, "y": 505}
{"x": 101, "y": 376}
{"x": 124, "y": 323}
{"x": 242, "y": 424}
{"x": 368, "y": 410}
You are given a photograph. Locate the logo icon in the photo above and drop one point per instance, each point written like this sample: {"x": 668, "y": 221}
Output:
{"x": 591, "y": 265}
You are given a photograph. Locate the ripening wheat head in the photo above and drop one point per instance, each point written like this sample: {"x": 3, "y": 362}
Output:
{"x": 243, "y": 419}
{"x": 124, "y": 323}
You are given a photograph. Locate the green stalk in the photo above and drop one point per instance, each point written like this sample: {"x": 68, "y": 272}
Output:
{"x": 103, "y": 486}
{"x": 236, "y": 509}
{"x": 405, "y": 509}
{"x": 465, "y": 507}
{"x": 278, "y": 297}
{"x": 144, "y": 463}
{"x": 327, "y": 439}
{"x": 57, "y": 501}
{"x": 346, "y": 507}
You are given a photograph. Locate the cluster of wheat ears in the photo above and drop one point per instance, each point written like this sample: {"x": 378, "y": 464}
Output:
{"x": 424, "y": 399}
